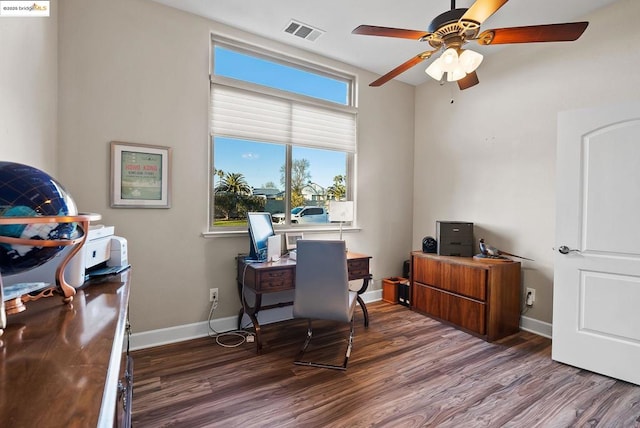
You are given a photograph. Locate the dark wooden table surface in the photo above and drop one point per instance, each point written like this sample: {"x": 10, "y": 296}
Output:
{"x": 60, "y": 363}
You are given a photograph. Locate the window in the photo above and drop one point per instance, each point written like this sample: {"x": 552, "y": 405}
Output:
{"x": 283, "y": 138}
{"x": 250, "y": 68}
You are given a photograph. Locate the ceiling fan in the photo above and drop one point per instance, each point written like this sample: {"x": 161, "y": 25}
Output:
{"x": 451, "y": 30}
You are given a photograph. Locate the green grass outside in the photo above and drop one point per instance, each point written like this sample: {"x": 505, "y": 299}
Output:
{"x": 229, "y": 223}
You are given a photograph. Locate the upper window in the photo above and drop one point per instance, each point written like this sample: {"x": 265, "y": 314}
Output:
{"x": 283, "y": 139}
{"x": 250, "y": 68}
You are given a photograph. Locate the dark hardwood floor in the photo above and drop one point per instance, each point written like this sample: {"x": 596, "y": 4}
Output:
{"x": 406, "y": 370}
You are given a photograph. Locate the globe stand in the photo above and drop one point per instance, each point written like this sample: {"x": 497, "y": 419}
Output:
{"x": 14, "y": 306}
{"x": 17, "y": 305}
{"x": 3, "y": 315}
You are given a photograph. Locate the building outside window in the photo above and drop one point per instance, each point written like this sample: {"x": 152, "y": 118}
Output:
{"x": 283, "y": 137}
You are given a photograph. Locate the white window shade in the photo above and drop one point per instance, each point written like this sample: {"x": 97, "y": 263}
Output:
{"x": 254, "y": 116}
{"x": 320, "y": 127}
{"x": 246, "y": 115}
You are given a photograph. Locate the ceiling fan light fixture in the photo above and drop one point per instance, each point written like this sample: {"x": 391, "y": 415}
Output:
{"x": 449, "y": 59}
{"x": 435, "y": 70}
{"x": 470, "y": 60}
{"x": 455, "y": 75}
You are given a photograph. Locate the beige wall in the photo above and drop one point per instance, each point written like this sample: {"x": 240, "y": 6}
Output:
{"x": 28, "y": 90}
{"x": 490, "y": 156}
{"x": 137, "y": 71}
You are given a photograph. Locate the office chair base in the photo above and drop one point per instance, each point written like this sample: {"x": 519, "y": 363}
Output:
{"x": 300, "y": 362}
{"x": 320, "y": 365}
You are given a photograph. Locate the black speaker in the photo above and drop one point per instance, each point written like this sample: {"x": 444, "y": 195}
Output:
{"x": 429, "y": 245}
{"x": 405, "y": 269}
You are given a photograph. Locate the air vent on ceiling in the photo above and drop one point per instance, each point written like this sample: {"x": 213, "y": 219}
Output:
{"x": 303, "y": 31}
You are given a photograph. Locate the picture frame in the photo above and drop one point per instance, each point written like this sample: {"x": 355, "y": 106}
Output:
{"x": 140, "y": 175}
{"x": 292, "y": 239}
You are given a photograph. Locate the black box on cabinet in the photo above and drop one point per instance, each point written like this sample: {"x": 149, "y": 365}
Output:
{"x": 454, "y": 238}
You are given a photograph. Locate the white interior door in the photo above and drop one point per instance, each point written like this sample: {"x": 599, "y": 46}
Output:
{"x": 596, "y": 297}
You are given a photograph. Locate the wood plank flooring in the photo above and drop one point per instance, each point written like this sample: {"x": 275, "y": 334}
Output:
{"x": 406, "y": 370}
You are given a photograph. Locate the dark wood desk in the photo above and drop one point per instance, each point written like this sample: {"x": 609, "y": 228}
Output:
{"x": 272, "y": 277}
{"x": 60, "y": 363}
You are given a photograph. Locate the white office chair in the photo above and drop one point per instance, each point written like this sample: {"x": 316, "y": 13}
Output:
{"x": 322, "y": 290}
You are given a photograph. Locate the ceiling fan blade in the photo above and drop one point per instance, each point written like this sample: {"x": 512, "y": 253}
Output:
{"x": 402, "y": 68}
{"x": 372, "y": 30}
{"x": 481, "y": 10}
{"x": 468, "y": 81}
{"x": 566, "y": 32}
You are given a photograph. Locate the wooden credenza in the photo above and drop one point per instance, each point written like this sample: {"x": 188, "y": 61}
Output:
{"x": 482, "y": 298}
{"x": 63, "y": 365}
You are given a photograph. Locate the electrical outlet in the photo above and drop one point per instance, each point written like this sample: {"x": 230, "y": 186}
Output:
{"x": 530, "y": 296}
{"x": 213, "y": 295}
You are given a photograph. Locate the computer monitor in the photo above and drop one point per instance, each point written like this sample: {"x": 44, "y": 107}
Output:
{"x": 260, "y": 229}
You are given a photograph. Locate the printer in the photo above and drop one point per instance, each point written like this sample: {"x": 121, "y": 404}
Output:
{"x": 101, "y": 249}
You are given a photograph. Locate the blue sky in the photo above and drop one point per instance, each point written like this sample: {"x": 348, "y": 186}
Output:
{"x": 244, "y": 67}
{"x": 260, "y": 163}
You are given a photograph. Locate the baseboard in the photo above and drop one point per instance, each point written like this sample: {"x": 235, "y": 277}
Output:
{"x": 165, "y": 336}
{"x": 535, "y": 326}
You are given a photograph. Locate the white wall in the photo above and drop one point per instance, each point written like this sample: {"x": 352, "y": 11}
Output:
{"x": 28, "y": 90}
{"x": 137, "y": 71}
{"x": 489, "y": 157}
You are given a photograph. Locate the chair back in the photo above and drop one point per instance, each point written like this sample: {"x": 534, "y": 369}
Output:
{"x": 322, "y": 281}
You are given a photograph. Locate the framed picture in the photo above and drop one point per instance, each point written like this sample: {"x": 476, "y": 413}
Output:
{"x": 292, "y": 239}
{"x": 140, "y": 176}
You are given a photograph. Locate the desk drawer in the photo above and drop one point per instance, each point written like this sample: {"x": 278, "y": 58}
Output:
{"x": 275, "y": 280}
{"x": 358, "y": 268}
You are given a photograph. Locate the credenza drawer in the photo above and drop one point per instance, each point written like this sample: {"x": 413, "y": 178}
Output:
{"x": 426, "y": 271}
{"x": 275, "y": 280}
{"x": 465, "y": 280}
{"x": 460, "y": 279}
{"x": 463, "y": 312}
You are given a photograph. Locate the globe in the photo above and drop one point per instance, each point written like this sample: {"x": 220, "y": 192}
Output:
{"x": 26, "y": 191}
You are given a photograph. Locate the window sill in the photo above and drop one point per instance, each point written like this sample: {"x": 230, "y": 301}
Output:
{"x": 310, "y": 230}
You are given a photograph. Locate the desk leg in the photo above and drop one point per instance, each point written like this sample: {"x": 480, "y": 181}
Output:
{"x": 252, "y": 312}
{"x": 240, "y": 314}
{"x": 365, "y": 313}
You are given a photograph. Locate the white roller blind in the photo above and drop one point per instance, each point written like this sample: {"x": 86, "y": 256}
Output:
{"x": 238, "y": 113}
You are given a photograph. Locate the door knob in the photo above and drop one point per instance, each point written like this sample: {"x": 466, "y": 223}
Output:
{"x": 566, "y": 250}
